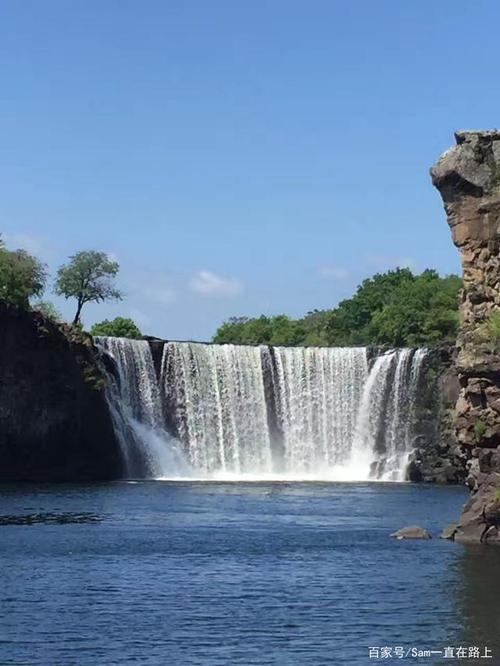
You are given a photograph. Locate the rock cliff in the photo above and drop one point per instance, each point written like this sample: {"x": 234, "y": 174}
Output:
{"x": 468, "y": 179}
{"x": 437, "y": 457}
{"x": 54, "y": 420}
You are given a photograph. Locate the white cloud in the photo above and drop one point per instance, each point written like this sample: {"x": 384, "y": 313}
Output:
{"x": 209, "y": 284}
{"x": 334, "y": 273}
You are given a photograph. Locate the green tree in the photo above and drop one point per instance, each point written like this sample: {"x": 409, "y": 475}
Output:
{"x": 286, "y": 331}
{"x": 314, "y": 325}
{"x": 120, "y": 327}
{"x": 88, "y": 277}
{"x": 396, "y": 308}
{"x": 350, "y": 322}
{"x": 22, "y": 276}
{"x": 231, "y": 331}
{"x": 421, "y": 312}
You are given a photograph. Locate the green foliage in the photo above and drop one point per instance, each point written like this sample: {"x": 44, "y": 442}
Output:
{"x": 396, "y": 308}
{"x": 279, "y": 330}
{"x": 479, "y": 430}
{"x": 48, "y": 309}
{"x": 22, "y": 276}
{"x": 120, "y": 327}
{"x": 94, "y": 378}
{"x": 489, "y": 331}
{"x": 89, "y": 276}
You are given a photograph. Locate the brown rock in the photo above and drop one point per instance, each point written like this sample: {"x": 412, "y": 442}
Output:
{"x": 449, "y": 532}
{"x": 468, "y": 179}
{"x": 481, "y": 513}
{"x": 412, "y": 532}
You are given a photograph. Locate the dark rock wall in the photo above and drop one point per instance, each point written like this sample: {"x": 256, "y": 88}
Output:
{"x": 468, "y": 179}
{"x": 438, "y": 458}
{"x": 54, "y": 420}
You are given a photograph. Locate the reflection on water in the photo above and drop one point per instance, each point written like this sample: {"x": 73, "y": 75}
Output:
{"x": 477, "y": 597}
{"x": 49, "y": 518}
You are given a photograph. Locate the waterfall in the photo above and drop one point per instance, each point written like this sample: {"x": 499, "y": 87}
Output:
{"x": 387, "y": 411}
{"x": 133, "y": 395}
{"x": 318, "y": 391}
{"x": 231, "y": 411}
{"x": 217, "y": 395}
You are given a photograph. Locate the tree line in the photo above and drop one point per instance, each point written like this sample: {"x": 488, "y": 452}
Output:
{"x": 88, "y": 277}
{"x": 397, "y": 308}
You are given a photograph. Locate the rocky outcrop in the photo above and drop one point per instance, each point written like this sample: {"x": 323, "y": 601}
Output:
{"x": 54, "y": 420}
{"x": 412, "y": 532}
{"x": 437, "y": 458}
{"x": 468, "y": 178}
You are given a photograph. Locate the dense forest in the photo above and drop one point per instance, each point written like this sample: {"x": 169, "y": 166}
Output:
{"x": 397, "y": 308}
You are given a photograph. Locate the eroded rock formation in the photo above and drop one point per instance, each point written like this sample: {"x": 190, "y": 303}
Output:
{"x": 54, "y": 421}
{"x": 468, "y": 178}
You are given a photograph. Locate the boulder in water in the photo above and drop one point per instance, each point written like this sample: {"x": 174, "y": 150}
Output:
{"x": 449, "y": 532}
{"x": 412, "y": 532}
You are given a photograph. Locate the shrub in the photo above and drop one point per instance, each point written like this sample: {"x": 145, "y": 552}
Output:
{"x": 489, "y": 331}
{"x": 479, "y": 430}
{"x": 120, "y": 327}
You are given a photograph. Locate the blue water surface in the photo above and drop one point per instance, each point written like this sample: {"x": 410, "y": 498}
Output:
{"x": 238, "y": 573}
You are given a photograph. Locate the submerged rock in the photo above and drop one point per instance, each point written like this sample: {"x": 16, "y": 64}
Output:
{"x": 449, "y": 532}
{"x": 412, "y": 532}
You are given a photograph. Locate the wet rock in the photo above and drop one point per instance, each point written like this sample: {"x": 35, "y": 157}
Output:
{"x": 449, "y": 532}
{"x": 55, "y": 424}
{"x": 436, "y": 458}
{"x": 480, "y": 517}
{"x": 412, "y": 532}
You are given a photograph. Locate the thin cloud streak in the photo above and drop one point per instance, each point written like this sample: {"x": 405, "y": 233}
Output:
{"x": 207, "y": 283}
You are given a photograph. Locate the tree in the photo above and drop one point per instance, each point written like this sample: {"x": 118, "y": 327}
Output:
{"x": 120, "y": 327}
{"x": 286, "y": 331}
{"x": 22, "y": 276}
{"x": 88, "y": 277}
{"x": 350, "y": 322}
{"x": 396, "y": 308}
{"x": 422, "y": 312}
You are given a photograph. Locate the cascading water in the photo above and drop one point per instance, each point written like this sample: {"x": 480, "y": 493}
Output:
{"x": 228, "y": 411}
{"x": 386, "y": 414}
{"x": 217, "y": 395}
{"x": 317, "y": 397}
{"x": 133, "y": 395}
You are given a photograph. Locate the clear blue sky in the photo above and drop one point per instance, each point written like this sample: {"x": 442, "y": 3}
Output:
{"x": 237, "y": 157}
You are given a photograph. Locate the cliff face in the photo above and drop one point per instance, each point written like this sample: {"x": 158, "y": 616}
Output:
{"x": 54, "y": 420}
{"x": 468, "y": 179}
{"x": 437, "y": 457}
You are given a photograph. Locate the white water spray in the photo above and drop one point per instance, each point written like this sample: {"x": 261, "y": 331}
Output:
{"x": 133, "y": 395}
{"x": 241, "y": 412}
